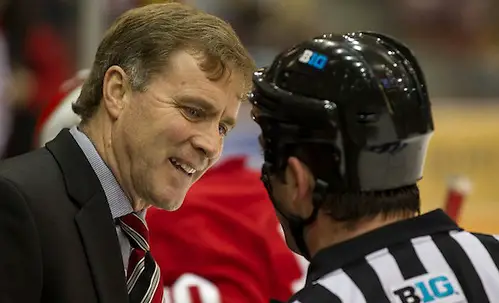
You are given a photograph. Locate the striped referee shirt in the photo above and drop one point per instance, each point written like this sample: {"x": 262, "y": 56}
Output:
{"x": 424, "y": 259}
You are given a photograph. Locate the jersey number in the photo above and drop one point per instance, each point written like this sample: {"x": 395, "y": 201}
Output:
{"x": 190, "y": 288}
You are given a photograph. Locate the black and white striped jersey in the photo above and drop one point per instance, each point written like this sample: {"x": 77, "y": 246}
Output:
{"x": 424, "y": 259}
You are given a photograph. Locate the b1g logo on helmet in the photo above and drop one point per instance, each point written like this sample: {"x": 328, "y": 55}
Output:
{"x": 313, "y": 59}
{"x": 429, "y": 288}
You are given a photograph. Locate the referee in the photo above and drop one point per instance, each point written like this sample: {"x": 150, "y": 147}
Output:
{"x": 346, "y": 121}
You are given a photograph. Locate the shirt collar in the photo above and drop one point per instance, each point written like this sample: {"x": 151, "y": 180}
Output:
{"x": 119, "y": 203}
{"x": 344, "y": 253}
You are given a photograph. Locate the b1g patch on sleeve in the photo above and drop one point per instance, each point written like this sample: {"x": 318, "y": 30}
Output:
{"x": 435, "y": 288}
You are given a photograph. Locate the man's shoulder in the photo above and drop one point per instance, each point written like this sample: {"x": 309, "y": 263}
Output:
{"x": 33, "y": 173}
{"x": 27, "y": 166}
{"x": 487, "y": 238}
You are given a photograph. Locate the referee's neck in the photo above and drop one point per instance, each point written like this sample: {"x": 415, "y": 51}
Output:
{"x": 327, "y": 232}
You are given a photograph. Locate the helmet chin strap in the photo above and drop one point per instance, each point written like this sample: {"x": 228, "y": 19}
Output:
{"x": 297, "y": 224}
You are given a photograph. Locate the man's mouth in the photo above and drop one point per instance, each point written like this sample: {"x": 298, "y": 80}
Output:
{"x": 183, "y": 167}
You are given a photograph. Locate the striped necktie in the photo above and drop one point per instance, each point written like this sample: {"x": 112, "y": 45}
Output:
{"x": 144, "y": 282}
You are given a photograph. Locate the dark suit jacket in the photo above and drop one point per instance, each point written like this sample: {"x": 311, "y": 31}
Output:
{"x": 58, "y": 240}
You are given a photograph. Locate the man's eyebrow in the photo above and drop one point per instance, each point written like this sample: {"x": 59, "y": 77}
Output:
{"x": 197, "y": 101}
{"x": 229, "y": 121}
{"x": 207, "y": 106}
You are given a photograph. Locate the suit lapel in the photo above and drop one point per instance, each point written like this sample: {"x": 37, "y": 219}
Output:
{"x": 102, "y": 248}
{"x": 94, "y": 219}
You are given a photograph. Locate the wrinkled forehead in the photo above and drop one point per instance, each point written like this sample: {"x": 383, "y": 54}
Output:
{"x": 225, "y": 71}
{"x": 237, "y": 82}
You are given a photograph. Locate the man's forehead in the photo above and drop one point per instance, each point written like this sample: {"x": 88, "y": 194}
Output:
{"x": 238, "y": 86}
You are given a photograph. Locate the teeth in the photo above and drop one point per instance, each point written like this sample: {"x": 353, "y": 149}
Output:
{"x": 188, "y": 169}
{"x": 185, "y": 167}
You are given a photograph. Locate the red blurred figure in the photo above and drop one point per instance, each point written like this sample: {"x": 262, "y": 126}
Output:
{"x": 458, "y": 189}
{"x": 37, "y": 49}
{"x": 57, "y": 114}
{"x": 235, "y": 252}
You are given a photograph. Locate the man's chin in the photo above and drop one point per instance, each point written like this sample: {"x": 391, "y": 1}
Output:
{"x": 168, "y": 204}
{"x": 175, "y": 205}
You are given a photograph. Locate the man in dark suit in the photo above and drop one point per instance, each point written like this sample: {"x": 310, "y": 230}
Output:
{"x": 164, "y": 90}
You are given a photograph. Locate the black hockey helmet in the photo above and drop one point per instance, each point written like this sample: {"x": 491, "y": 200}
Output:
{"x": 363, "y": 94}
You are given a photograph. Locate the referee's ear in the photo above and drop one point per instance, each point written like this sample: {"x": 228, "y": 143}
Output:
{"x": 300, "y": 179}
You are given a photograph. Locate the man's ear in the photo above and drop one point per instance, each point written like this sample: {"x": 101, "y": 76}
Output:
{"x": 114, "y": 90}
{"x": 300, "y": 177}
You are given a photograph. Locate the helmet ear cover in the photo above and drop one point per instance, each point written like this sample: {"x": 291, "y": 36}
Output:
{"x": 305, "y": 122}
{"x": 285, "y": 106}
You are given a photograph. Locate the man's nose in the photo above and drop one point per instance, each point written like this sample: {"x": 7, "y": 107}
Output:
{"x": 209, "y": 142}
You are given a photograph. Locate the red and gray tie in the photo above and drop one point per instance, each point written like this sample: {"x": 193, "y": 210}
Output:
{"x": 144, "y": 282}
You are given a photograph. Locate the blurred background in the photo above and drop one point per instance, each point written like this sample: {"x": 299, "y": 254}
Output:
{"x": 44, "y": 42}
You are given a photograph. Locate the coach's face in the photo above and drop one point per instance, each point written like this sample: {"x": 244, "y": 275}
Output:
{"x": 165, "y": 138}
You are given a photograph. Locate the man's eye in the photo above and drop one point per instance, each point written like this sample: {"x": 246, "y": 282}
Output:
{"x": 193, "y": 113}
{"x": 223, "y": 130}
